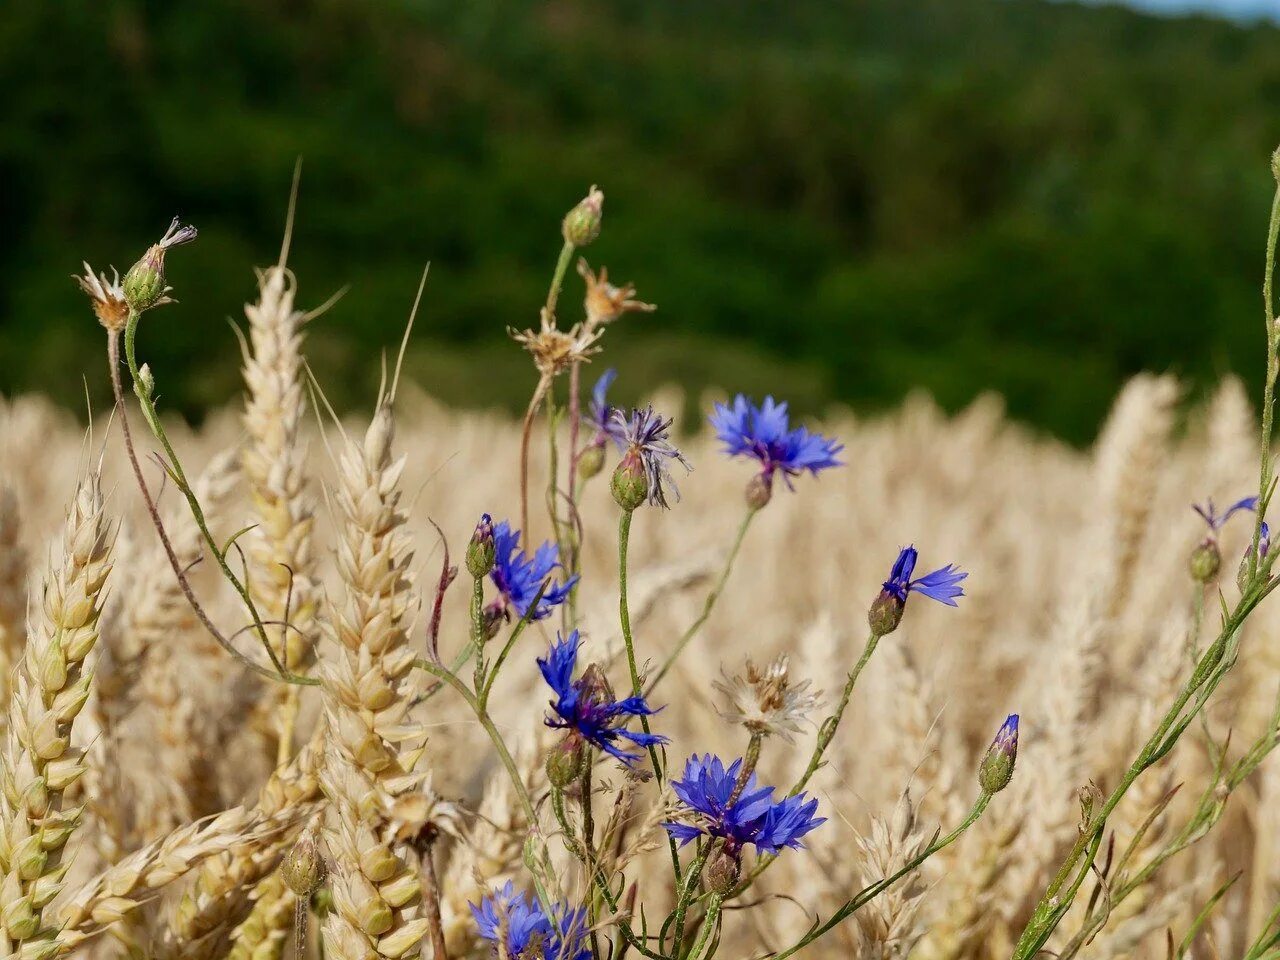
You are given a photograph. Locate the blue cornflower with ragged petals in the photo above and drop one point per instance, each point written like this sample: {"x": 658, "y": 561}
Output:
{"x": 942, "y": 585}
{"x": 519, "y": 577}
{"x": 518, "y": 927}
{"x": 751, "y": 816}
{"x": 587, "y": 708}
{"x": 1215, "y": 520}
{"x": 647, "y": 452}
{"x": 765, "y": 434}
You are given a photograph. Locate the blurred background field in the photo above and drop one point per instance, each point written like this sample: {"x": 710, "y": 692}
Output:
{"x": 833, "y": 202}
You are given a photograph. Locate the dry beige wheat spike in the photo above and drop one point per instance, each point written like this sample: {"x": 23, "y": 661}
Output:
{"x": 888, "y": 928}
{"x": 13, "y": 589}
{"x": 52, "y": 686}
{"x": 199, "y": 926}
{"x": 373, "y": 745}
{"x": 284, "y": 578}
{"x": 124, "y": 887}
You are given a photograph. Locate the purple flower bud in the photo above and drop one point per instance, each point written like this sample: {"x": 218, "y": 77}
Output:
{"x": 996, "y": 769}
{"x": 481, "y": 551}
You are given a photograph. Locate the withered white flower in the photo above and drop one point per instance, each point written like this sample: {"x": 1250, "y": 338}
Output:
{"x": 767, "y": 701}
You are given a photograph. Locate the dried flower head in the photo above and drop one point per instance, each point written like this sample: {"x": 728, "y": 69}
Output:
{"x": 107, "y": 297}
{"x": 766, "y": 701}
{"x": 553, "y": 350}
{"x": 604, "y": 302}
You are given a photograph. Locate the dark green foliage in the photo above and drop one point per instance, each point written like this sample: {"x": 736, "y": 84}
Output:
{"x": 832, "y": 201}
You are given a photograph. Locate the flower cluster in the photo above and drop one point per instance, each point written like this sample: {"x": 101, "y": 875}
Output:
{"x": 717, "y": 805}
{"x": 587, "y": 708}
{"x": 519, "y": 929}
{"x": 519, "y": 577}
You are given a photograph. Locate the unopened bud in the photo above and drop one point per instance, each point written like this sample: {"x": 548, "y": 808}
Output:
{"x": 996, "y": 769}
{"x": 591, "y": 461}
{"x": 481, "y": 551}
{"x": 885, "y": 614}
{"x": 630, "y": 485}
{"x": 564, "y": 762}
{"x": 1206, "y": 561}
{"x": 303, "y": 868}
{"x": 724, "y": 869}
{"x": 759, "y": 491}
{"x": 146, "y": 382}
{"x": 1275, "y": 163}
{"x": 582, "y": 224}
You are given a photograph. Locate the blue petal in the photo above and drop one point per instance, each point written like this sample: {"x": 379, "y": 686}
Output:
{"x": 941, "y": 585}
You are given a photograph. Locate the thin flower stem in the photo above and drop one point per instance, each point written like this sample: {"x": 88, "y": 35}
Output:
{"x": 539, "y": 392}
{"x": 825, "y": 735}
{"x": 708, "y": 925}
{"x": 557, "y": 278}
{"x": 478, "y": 637}
{"x": 1273, "y": 369}
{"x": 174, "y": 468}
{"x": 153, "y": 511}
{"x": 829, "y": 726}
{"x": 492, "y": 673}
{"x": 707, "y": 605}
{"x": 431, "y": 905}
{"x": 624, "y": 617}
{"x": 687, "y": 891}
{"x": 589, "y": 845}
{"x": 441, "y": 673}
{"x": 868, "y": 894}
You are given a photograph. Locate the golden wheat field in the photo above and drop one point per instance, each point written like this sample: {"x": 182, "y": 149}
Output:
{"x": 162, "y": 798}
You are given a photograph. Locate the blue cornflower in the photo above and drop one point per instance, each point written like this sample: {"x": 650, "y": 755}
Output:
{"x": 647, "y": 451}
{"x": 587, "y": 708}
{"x": 600, "y": 413}
{"x": 752, "y": 817}
{"x": 519, "y": 577}
{"x": 942, "y": 585}
{"x": 1215, "y": 520}
{"x": 517, "y": 926}
{"x": 765, "y": 433}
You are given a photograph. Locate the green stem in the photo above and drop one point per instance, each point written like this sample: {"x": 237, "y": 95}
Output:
{"x": 589, "y": 844}
{"x": 708, "y": 925}
{"x": 829, "y": 726}
{"x": 174, "y": 467}
{"x": 624, "y": 618}
{"x": 478, "y": 636}
{"x": 1273, "y": 368}
{"x": 557, "y": 278}
{"x": 687, "y": 891}
{"x": 708, "y": 604}
{"x": 482, "y": 715}
{"x": 870, "y": 893}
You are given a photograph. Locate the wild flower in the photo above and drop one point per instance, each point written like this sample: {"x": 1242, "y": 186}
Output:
{"x": 764, "y": 433}
{"x": 1217, "y": 521}
{"x": 600, "y": 413}
{"x": 587, "y": 708}
{"x": 647, "y": 453}
{"x": 942, "y": 585}
{"x": 107, "y": 296}
{"x": 519, "y": 577}
{"x": 518, "y": 927}
{"x": 604, "y": 302}
{"x": 996, "y": 769}
{"x": 144, "y": 285}
{"x": 716, "y": 807}
{"x": 767, "y": 701}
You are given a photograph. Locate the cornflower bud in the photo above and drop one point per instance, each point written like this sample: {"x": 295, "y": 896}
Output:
{"x": 759, "y": 490}
{"x": 582, "y": 224}
{"x": 304, "y": 869}
{"x": 1206, "y": 561}
{"x": 481, "y": 551}
{"x": 885, "y": 614}
{"x": 724, "y": 869}
{"x": 591, "y": 461}
{"x": 564, "y": 762}
{"x": 143, "y": 285}
{"x": 630, "y": 483}
{"x": 996, "y": 769}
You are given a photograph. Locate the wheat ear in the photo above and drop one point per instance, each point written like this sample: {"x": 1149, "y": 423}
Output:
{"x": 51, "y": 688}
